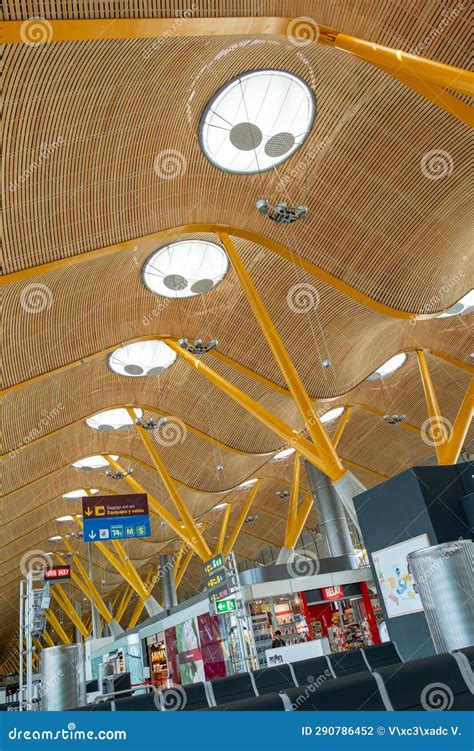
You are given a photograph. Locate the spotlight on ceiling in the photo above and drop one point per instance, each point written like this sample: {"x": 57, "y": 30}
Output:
{"x": 250, "y": 519}
{"x": 326, "y": 364}
{"x": 117, "y": 474}
{"x": 150, "y": 424}
{"x": 283, "y": 494}
{"x": 394, "y": 419}
{"x": 281, "y": 213}
{"x": 198, "y": 347}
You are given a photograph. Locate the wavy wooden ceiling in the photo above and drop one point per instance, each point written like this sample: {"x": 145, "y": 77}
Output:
{"x": 375, "y": 221}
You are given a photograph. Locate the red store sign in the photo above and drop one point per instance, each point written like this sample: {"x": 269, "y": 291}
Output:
{"x": 332, "y": 593}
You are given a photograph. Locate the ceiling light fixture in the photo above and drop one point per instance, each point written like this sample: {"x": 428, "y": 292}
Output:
{"x": 118, "y": 474}
{"x": 283, "y": 494}
{"x": 186, "y": 268}
{"x": 394, "y": 419}
{"x": 281, "y": 213}
{"x": 388, "y": 367}
{"x": 257, "y": 121}
{"x": 147, "y": 358}
{"x": 198, "y": 347}
{"x": 150, "y": 424}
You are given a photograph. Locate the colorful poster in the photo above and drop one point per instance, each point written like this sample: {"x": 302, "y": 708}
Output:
{"x": 212, "y": 646}
{"x": 191, "y": 665}
{"x": 396, "y": 581}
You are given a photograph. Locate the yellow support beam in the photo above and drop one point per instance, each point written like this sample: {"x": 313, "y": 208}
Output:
{"x": 157, "y": 507}
{"x": 437, "y": 434}
{"x": 149, "y": 584}
{"x": 183, "y": 567}
{"x": 65, "y": 603}
{"x": 300, "y": 521}
{"x": 136, "y": 583}
{"x": 191, "y": 527}
{"x": 90, "y": 590}
{"x": 54, "y": 623}
{"x": 241, "y": 518}
{"x": 331, "y": 462}
{"x": 342, "y": 424}
{"x": 177, "y": 560}
{"x": 222, "y": 533}
{"x": 124, "y": 602}
{"x": 294, "y": 494}
{"x": 289, "y": 435}
{"x": 460, "y": 426}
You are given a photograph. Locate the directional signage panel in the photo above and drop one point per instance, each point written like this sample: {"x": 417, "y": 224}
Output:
{"x": 226, "y": 606}
{"x": 116, "y": 528}
{"x": 111, "y": 506}
{"x": 215, "y": 563}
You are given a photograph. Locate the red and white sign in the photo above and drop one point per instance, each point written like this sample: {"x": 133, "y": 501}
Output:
{"x": 332, "y": 593}
{"x": 57, "y": 572}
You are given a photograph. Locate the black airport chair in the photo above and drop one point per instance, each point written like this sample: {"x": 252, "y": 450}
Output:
{"x": 149, "y": 702}
{"x": 350, "y": 694}
{"x": 273, "y": 680}
{"x": 100, "y": 706}
{"x": 232, "y": 688}
{"x": 314, "y": 671}
{"x": 467, "y": 652}
{"x": 379, "y": 655}
{"x": 188, "y": 698}
{"x": 431, "y": 683}
{"x": 348, "y": 663}
{"x": 265, "y": 703}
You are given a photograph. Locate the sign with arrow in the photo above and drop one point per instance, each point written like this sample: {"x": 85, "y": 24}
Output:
{"x": 226, "y": 606}
{"x": 115, "y": 517}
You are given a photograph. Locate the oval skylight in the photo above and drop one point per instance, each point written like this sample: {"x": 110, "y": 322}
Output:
{"x": 388, "y": 367}
{"x": 113, "y": 419}
{"x": 81, "y": 493}
{"x": 67, "y": 518}
{"x": 256, "y": 121}
{"x": 185, "y": 268}
{"x": 94, "y": 462}
{"x": 332, "y": 414}
{"x": 149, "y": 358}
{"x": 461, "y": 307}
{"x": 282, "y": 455}
{"x": 247, "y": 483}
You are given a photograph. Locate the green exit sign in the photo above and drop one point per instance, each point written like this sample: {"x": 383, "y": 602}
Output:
{"x": 225, "y": 606}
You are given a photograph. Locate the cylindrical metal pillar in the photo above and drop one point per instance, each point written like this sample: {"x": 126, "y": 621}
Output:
{"x": 168, "y": 586}
{"x": 444, "y": 579}
{"x": 96, "y": 630}
{"x": 63, "y": 680}
{"x": 331, "y": 515}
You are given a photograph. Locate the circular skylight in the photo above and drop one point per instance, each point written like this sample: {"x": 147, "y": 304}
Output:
{"x": 388, "y": 367}
{"x": 81, "y": 493}
{"x": 256, "y": 121}
{"x": 113, "y": 419}
{"x": 149, "y": 358}
{"x": 282, "y": 455}
{"x": 94, "y": 462}
{"x": 461, "y": 307}
{"x": 185, "y": 268}
{"x": 332, "y": 414}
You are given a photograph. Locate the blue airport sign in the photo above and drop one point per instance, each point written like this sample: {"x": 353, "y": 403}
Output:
{"x": 116, "y": 528}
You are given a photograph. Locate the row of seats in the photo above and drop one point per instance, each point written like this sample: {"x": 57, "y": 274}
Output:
{"x": 376, "y": 679}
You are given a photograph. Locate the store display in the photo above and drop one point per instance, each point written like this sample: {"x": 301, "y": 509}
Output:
{"x": 157, "y": 659}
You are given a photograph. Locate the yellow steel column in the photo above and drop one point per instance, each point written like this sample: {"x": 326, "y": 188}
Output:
{"x": 136, "y": 584}
{"x": 439, "y": 433}
{"x": 183, "y": 568}
{"x": 157, "y": 507}
{"x": 90, "y": 588}
{"x": 177, "y": 560}
{"x": 187, "y": 518}
{"x": 289, "y": 435}
{"x": 300, "y": 521}
{"x": 47, "y": 638}
{"x": 126, "y": 597}
{"x": 241, "y": 518}
{"x": 317, "y": 431}
{"x": 149, "y": 584}
{"x": 54, "y": 623}
{"x": 460, "y": 426}
{"x": 222, "y": 534}
{"x": 342, "y": 424}
{"x": 65, "y": 603}
{"x": 293, "y": 504}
